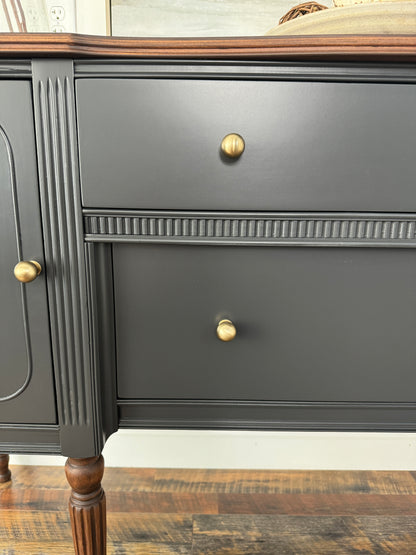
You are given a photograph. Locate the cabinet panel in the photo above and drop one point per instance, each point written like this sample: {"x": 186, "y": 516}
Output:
{"x": 26, "y": 380}
{"x": 155, "y": 144}
{"x": 313, "y": 324}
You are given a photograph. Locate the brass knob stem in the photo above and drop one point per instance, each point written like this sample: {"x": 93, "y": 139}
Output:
{"x": 233, "y": 145}
{"x": 226, "y": 330}
{"x": 27, "y": 270}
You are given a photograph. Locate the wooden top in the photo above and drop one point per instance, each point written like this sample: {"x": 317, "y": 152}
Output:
{"x": 400, "y": 48}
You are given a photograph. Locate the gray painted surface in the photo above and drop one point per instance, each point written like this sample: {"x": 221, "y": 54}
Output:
{"x": 251, "y": 228}
{"x": 363, "y": 72}
{"x": 267, "y": 415}
{"x": 313, "y": 324}
{"x": 65, "y": 254}
{"x": 325, "y": 335}
{"x": 26, "y": 382}
{"x": 309, "y": 146}
{"x": 101, "y": 308}
{"x": 30, "y": 438}
{"x": 12, "y": 69}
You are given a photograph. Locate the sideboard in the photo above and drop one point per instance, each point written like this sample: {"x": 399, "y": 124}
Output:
{"x": 213, "y": 233}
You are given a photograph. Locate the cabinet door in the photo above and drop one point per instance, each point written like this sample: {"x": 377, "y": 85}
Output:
{"x": 26, "y": 379}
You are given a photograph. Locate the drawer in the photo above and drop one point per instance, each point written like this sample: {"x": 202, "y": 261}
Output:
{"x": 313, "y": 324}
{"x": 155, "y": 143}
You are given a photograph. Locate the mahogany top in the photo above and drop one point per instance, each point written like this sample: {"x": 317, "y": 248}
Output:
{"x": 397, "y": 48}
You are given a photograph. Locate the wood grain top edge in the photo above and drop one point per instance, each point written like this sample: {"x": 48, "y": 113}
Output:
{"x": 333, "y": 47}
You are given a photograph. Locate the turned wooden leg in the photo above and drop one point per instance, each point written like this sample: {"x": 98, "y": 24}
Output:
{"x": 5, "y": 474}
{"x": 87, "y": 505}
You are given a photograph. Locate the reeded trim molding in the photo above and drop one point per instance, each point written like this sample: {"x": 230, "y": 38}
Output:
{"x": 79, "y": 409}
{"x": 325, "y": 47}
{"x": 64, "y": 251}
{"x": 314, "y": 229}
{"x": 59, "y": 197}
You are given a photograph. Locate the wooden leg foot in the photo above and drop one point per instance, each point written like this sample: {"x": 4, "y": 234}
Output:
{"x": 5, "y": 474}
{"x": 87, "y": 505}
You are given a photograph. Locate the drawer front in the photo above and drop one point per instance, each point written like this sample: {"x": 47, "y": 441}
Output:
{"x": 26, "y": 380}
{"x": 321, "y": 324}
{"x": 155, "y": 143}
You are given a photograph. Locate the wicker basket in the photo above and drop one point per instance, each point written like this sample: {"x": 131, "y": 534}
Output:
{"x": 302, "y": 9}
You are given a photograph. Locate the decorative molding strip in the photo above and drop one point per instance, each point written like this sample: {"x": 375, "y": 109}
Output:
{"x": 64, "y": 253}
{"x": 247, "y": 229}
{"x": 15, "y": 68}
{"x": 30, "y": 438}
{"x": 265, "y": 71}
{"x": 266, "y": 415}
{"x": 321, "y": 47}
{"x": 19, "y": 256}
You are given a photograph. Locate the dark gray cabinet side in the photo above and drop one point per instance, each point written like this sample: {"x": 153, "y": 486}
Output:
{"x": 26, "y": 378}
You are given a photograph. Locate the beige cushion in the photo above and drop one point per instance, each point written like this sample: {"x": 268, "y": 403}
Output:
{"x": 384, "y": 18}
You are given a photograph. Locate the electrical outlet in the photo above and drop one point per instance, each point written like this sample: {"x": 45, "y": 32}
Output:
{"x": 57, "y": 13}
{"x": 61, "y": 16}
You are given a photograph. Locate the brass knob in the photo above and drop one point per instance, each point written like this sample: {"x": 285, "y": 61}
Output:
{"x": 226, "y": 330}
{"x": 233, "y": 145}
{"x": 27, "y": 271}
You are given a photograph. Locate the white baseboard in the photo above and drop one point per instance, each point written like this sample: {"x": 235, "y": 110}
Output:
{"x": 272, "y": 450}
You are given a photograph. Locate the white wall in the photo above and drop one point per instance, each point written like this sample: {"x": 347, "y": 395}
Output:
{"x": 175, "y": 18}
{"x": 198, "y": 18}
{"x": 93, "y": 17}
{"x": 273, "y": 450}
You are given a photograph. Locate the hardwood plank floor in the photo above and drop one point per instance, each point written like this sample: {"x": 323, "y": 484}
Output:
{"x": 221, "y": 512}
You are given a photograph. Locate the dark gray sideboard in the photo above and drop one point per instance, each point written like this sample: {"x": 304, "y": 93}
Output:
{"x": 203, "y": 241}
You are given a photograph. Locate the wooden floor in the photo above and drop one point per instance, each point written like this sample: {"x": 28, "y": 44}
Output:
{"x": 221, "y": 512}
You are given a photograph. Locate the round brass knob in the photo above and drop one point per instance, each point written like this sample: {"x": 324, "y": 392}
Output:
{"x": 226, "y": 330}
{"x": 233, "y": 145}
{"x": 27, "y": 271}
